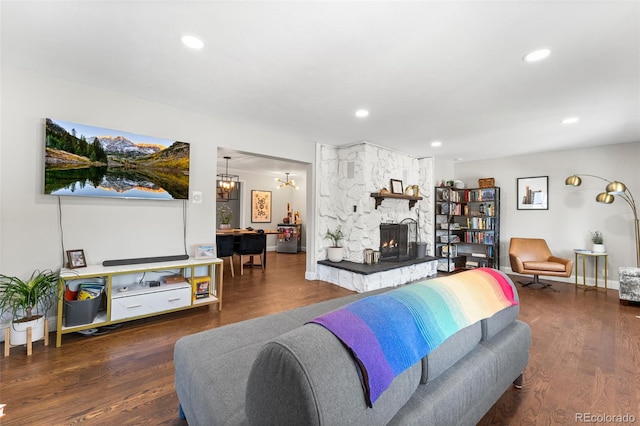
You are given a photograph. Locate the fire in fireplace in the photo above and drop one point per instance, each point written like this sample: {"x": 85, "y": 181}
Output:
{"x": 397, "y": 240}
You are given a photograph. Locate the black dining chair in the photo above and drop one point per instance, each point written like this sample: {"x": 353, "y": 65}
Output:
{"x": 224, "y": 249}
{"x": 251, "y": 245}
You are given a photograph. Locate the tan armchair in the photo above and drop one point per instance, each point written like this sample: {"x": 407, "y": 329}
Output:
{"x": 532, "y": 256}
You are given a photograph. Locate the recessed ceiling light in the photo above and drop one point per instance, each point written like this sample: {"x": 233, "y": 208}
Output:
{"x": 362, "y": 113}
{"x": 537, "y": 55}
{"x": 458, "y": 159}
{"x": 192, "y": 42}
{"x": 436, "y": 144}
{"x": 570, "y": 120}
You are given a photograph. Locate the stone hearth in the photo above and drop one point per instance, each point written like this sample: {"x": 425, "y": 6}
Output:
{"x": 361, "y": 277}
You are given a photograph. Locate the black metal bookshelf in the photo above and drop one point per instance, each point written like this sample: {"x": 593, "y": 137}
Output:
{"x": 467, "y": 228}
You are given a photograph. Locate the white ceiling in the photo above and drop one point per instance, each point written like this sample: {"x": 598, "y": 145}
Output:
{"x": 431, "y": 70}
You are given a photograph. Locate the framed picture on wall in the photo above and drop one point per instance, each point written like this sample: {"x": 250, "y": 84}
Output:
{"x": 260, "y": 206}
{"x": 533, "y": 193}
{"x": 222, "y": 195}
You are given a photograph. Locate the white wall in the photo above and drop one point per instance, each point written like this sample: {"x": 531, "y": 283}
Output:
{"x": 573, "y": 211}
{"x": 106, "y": 228}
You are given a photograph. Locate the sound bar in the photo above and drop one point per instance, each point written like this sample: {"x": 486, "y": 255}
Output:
{"x": 135, "y": 260}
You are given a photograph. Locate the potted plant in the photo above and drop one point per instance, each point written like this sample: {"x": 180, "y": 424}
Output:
{"x": 335, "y": 253}
{"x": 225, "y": 215}
{"x": 28, "y": 302}
{"x": 598, "y": 242}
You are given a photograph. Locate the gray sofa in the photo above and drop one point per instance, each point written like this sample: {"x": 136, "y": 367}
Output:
{"x": 277, "y": 370}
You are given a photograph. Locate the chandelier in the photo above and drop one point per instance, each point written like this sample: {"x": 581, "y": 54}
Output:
{"x": 283, "y": 183}
{"x": 227, "y": 182}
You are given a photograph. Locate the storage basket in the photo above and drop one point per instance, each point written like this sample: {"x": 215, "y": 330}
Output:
{"x": 77, "y": 312}
{"x": 486, "y": 182}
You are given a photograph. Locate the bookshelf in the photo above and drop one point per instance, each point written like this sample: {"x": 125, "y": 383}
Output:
{"x": 467, "y": 228}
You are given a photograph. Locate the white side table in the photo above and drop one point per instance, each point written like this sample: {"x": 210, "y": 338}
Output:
{"x": 583, "y": 254}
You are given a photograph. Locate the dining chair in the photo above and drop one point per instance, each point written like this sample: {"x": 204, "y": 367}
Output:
{"x": 224, "y": 249}
{"x": 250, "y": 245}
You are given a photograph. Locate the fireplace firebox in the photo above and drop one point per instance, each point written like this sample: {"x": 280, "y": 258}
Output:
{"x": 398, "y": 240}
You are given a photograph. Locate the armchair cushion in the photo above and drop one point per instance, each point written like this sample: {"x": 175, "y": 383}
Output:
{"x": 545, "y": 266}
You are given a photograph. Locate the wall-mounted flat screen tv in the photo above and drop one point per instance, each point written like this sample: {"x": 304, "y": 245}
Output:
{"x": 88, "y": 161}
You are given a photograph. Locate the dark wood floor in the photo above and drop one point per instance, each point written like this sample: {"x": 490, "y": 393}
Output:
{"x": 585, "y": 357}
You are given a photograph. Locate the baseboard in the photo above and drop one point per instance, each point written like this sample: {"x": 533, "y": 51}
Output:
{"x": 611, "y": 284}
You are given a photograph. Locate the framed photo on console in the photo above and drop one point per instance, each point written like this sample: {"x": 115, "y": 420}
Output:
{"x": 533, "y": 193}
{"x": 76, "y": 259}
{"x": 204, "y": 251}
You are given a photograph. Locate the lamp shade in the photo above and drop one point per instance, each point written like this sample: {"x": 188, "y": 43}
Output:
{"x": 616, "y": 187}
{"x": 573, "y": 181}
{"x": 605, "y": 198}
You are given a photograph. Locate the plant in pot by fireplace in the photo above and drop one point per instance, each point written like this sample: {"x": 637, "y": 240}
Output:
{"x": 28, "y": 302}
{"x": 335, "y": 253}
{"x": 225, "y": 215}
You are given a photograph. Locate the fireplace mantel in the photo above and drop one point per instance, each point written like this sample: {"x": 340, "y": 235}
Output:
{"x": 380, "y": 196}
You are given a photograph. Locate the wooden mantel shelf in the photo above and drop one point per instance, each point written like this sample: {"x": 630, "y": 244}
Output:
{"x": 379, "y": 197}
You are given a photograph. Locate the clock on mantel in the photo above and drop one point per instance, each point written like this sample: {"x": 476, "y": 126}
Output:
{"x": 379, "y": 196}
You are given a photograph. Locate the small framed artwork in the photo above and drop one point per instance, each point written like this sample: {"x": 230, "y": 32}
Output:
{"x": 204, "y": 251}
{"x": 533, "y": 193}
{"x": 222, "y": 195}
{"x": 396, "y": 186}
{"x": 76, "y": 259}
{"x": 260, "y": 206}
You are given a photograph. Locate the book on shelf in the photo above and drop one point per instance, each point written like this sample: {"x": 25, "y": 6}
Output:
{"x": 200, "y": 287}
{"x": 449, "y": 251}
{"x": 449, "y": 239}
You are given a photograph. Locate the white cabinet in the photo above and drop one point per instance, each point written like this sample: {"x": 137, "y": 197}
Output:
{"x": 168, "y": 298}
{"x": 139, "y": 291}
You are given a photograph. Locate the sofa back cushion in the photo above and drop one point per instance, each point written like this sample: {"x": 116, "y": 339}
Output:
{"x": 450, "y": 351}
{"x": 308, "y": 377}
{"x": 496, "y": 323}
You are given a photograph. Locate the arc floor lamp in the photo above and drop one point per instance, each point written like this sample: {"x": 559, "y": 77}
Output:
{"x": 608, "y": 196}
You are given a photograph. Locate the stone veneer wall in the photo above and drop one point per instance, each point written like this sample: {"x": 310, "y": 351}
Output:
{"x": 348, "y": 175}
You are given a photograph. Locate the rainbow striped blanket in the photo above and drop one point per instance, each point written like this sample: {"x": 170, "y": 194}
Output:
{"x": 389, "y": 332}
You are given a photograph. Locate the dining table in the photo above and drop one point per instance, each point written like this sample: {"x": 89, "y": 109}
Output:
{"x": 238, "y": 232}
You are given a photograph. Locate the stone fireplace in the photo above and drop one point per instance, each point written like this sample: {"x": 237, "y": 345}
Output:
{"x": 347, "y": 176}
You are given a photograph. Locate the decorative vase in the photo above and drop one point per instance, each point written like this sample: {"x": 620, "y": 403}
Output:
{"x": 225, "y": 226}
{"x": 18, "y": 331}
{"x": 598, "y": 248}
{"x": 335, "y": 254}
